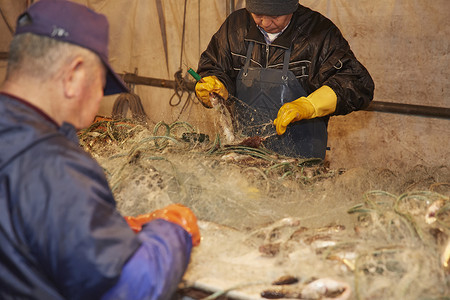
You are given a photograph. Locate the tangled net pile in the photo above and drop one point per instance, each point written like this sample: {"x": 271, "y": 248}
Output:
{"x": 328, "y": 234}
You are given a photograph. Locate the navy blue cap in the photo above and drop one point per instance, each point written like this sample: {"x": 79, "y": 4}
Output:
{"x": 271, "y": 7}
{"x": 76, "y": 24}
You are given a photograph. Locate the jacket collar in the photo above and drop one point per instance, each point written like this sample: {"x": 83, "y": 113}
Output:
{"x": 35, "y": 108}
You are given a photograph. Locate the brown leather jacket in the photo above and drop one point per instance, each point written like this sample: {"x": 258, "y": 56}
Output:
{"x": 320, "y": 56}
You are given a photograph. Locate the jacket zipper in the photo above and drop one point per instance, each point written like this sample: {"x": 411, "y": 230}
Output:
{"x": 267, "y": 55}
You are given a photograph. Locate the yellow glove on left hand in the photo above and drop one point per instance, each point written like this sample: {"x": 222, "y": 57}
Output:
{"x": 291, "y": 112}
{"x": 320, "y": 103}
{"x": 210, "y": 84}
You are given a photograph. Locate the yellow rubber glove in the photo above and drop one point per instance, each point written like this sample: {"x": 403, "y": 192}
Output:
{"x": 319, "y": 103}
{"x": 210, "y": 84}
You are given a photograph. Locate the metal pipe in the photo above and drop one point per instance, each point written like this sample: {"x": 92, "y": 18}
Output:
{"x": 164, "y": 83}
{"x": 379, "y": 106}
{"x": 4, "y": 55}
{"x": 410, "y": 109}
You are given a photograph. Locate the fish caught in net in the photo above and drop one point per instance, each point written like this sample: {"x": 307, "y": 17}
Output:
{"x": 342, "y": 234}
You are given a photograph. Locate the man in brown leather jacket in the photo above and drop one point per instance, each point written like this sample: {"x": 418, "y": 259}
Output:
{"x": 287, "y": 65}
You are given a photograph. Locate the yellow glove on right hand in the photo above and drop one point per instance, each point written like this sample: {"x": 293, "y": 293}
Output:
{"x": 210, "y": 84}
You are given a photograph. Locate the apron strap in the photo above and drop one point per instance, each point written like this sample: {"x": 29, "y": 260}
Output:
{"x": 287, "y": 55}
{"x": 248, "y": 57}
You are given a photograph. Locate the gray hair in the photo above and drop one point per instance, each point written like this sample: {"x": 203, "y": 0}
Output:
{"x": 40, "y": 56}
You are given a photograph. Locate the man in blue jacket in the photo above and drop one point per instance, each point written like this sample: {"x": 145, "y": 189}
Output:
{"x": 61, "y": 236}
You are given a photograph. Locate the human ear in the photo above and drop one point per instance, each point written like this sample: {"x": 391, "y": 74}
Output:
{"x": 73, "y": 77}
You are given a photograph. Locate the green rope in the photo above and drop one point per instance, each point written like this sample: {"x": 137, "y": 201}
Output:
{"x": 159, "y": 124}
{"x": 279, "y": 165}
{"x": 183, "y": 124}
{"x": 216, "y": 145}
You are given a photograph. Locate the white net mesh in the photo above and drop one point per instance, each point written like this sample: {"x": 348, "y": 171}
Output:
{"x": 365, "y": 234}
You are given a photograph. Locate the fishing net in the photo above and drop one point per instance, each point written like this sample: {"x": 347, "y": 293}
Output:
{"x": 279, "y": 227}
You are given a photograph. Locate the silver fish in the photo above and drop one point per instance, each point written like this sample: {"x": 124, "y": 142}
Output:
{"x": 223, "y": 117}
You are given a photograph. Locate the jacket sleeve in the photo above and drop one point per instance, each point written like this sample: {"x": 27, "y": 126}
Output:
{"x": 216, "y": 59}
{"x": 155, "y": 270}
{"x": 337, "y": 67}
{"x": 76, "y": 235}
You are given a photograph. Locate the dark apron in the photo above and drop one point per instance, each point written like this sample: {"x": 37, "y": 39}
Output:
{"x": 261, "y": 92}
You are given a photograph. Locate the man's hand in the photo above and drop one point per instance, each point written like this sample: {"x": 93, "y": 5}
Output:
{"x": 207, "y": 85}
{"x": 292, "y": 112}
{"x": 175, "y": 213}
{"x": 320, "y": 103}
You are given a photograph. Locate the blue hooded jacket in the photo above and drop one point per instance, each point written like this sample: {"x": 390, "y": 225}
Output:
{"x": 61, "y": 236}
